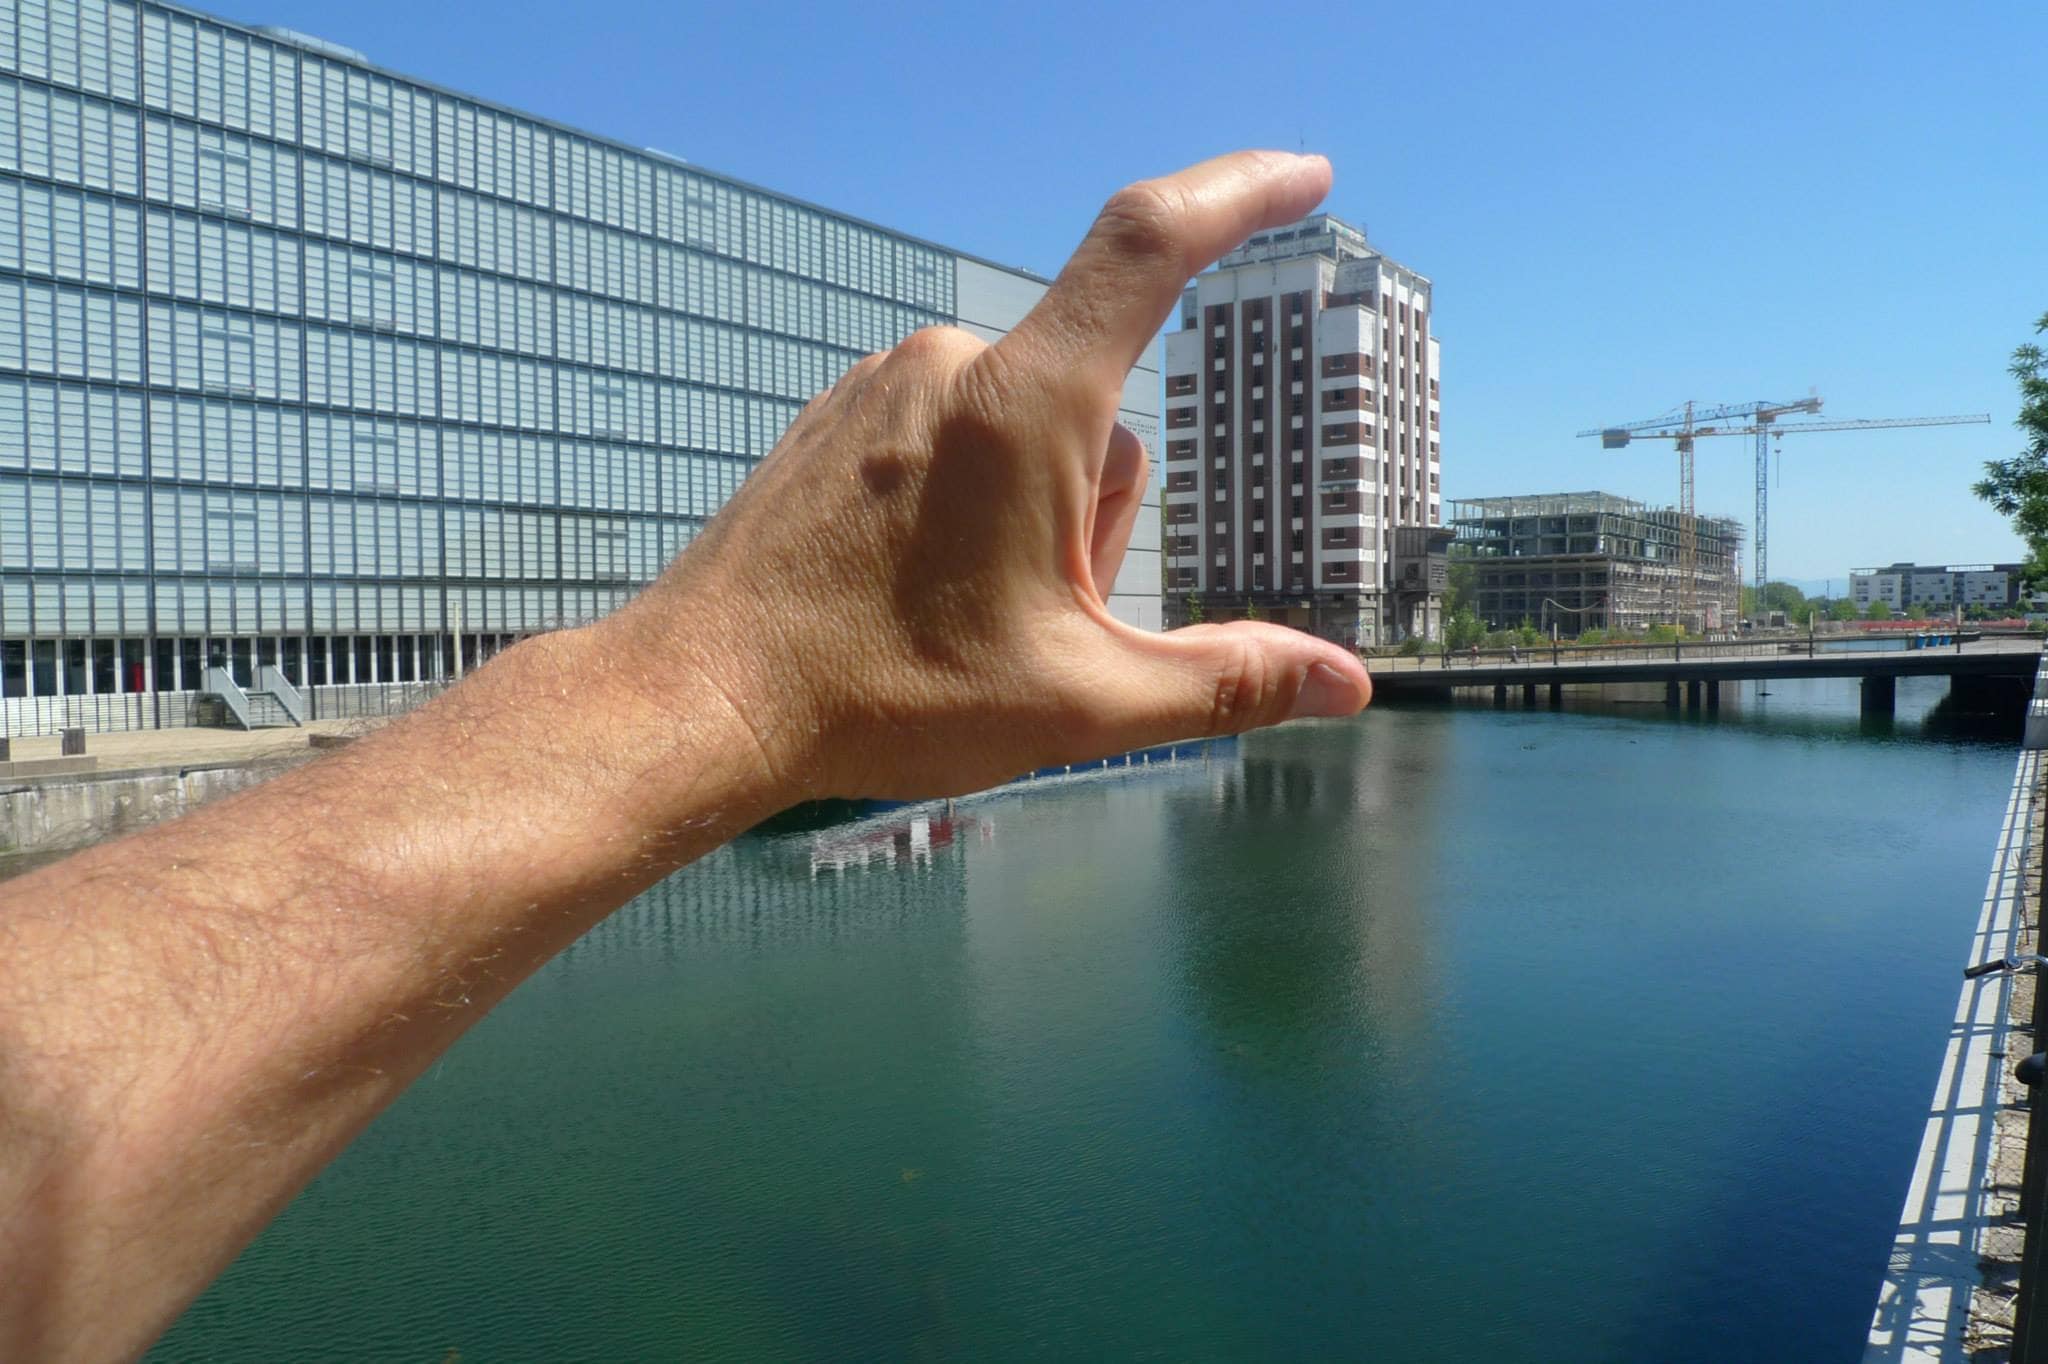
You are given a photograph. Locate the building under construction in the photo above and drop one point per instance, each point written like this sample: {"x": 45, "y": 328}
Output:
{"x": 1587, "y": 561}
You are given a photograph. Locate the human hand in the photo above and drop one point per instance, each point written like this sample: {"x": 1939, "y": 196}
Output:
{"x": 906, "y": 599}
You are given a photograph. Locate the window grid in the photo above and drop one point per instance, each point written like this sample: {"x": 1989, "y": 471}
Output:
{"x": 287, "y": 345}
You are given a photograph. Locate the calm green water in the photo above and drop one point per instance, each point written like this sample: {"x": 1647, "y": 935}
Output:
{"x": 1441, "y": 1034}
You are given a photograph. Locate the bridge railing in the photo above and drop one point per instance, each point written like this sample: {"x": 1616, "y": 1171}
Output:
{"x": 1434, "y": 658}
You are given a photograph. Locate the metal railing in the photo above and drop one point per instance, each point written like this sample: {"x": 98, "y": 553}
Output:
{"x": 2030, "y": 1299}
{"x": 348, "y": 701}
{"x": 1436, "y": 659}
{"x": 280, "y": 689}
{"x": 221, "y": 684}
{"x": 26, "y": 717}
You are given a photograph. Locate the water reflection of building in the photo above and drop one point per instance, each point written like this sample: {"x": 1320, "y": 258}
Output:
{"x": 891, "y": 843}
{"x": 760, "y": 892}
{"x": 1307, "y": 881}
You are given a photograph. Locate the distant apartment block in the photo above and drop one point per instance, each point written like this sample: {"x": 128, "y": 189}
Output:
{"x": 1586, "y": 561}
{"x": 308, "y": 365}
{"x": 1302, "y": 428}
{"x": 1902, "y": 586}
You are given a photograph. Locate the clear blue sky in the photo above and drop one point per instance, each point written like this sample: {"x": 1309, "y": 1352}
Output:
{"x": 1622, "y": 206}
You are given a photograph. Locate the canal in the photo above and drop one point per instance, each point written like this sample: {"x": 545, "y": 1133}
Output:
{"x": 1443, "y": 1034}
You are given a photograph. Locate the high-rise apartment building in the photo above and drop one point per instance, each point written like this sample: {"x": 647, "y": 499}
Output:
{"x": 1301, "y": 439}
{"x": 310, "y": 365}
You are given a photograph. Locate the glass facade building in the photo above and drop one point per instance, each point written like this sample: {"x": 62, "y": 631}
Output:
{"x": 309, "y": 364}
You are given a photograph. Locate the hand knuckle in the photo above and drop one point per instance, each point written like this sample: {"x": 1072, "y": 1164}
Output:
{"x": 1244, "y": 691}
{"x": 1144, "y": 219}
{"x": 937, "y": 343}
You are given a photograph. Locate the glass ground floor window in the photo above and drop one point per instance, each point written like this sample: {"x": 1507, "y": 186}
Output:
{"x": 112, "y": 666}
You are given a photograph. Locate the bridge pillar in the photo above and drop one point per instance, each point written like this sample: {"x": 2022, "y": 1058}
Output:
{"x": 1880, "y": 695}
{"x": 1556, "y": 695}
{"x": 1714, "y": 693}
{"x": 1692, "y": 694}
{"x": 1500, "y": 693}
{"x": 1671, "y": 695}
{"x": 1528, "y": 693}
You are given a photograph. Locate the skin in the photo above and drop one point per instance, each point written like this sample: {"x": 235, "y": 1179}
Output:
{"x": 905, "y": 600}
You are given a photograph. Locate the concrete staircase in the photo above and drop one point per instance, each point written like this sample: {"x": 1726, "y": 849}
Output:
{"x": 272, "y": 703}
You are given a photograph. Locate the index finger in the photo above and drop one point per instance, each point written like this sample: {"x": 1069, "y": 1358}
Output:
{"x": 1101, "y": 314}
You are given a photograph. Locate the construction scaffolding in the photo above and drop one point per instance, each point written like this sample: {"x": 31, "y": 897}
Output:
{"x": 1586, "y": 561}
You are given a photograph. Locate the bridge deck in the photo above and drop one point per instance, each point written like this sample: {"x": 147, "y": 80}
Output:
{"x": 1704, "y": 663}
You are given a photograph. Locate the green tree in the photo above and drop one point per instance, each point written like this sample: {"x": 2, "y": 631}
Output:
{"x": 2018, "y": 487}
{"x": 1253, "y": 611}
{"x": 1841, "y": 608}
{"x": 1916, "y": 611}
{"x": 1661, "y": 633}
{"x": 1878, "y": 611}
{"x": 1463, "y": 630}
{"x": 1777, "y": 597}
{"x": 1193, "y": 604}
{"x": 1463, "y": 585}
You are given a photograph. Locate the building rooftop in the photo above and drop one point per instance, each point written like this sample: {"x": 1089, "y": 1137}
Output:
{"x": 1574, "y": 504}
{"x": 1319, "y": 234}
{"x": 1545, "y": 504}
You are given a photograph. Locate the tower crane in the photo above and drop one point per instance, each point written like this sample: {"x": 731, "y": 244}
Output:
{"x": 1759, "y": 419}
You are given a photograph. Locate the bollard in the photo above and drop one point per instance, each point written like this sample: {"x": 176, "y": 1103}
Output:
{"x": 74, "y": 743}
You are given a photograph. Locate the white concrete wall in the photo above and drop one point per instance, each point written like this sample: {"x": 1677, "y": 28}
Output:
{"x": 991, "y": 301}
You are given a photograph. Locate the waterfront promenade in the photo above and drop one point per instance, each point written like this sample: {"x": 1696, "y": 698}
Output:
{"x": 1949, "y": 1292}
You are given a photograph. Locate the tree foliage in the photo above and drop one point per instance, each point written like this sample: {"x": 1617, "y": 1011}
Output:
{"x": 1777, "y": 597}
{"x": 1463, "y": 630}
{"x": 2018, "y": 487}
{"x": 1461, "y": 591}
{"x": 1841, "y": 608}
{"x": 1878, "y": 611}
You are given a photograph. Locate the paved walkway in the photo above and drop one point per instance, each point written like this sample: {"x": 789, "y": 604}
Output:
{"x": 1947, "y": 1293}
{"x": 141, "y": 748}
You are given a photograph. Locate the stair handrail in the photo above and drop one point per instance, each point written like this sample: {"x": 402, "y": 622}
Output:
{"x": 220, "y": 682}
{"x": 270, "y": 679}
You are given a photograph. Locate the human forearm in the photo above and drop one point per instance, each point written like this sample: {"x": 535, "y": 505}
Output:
{"x": 907, "y": 599}
{"x": 194, "y": 1020}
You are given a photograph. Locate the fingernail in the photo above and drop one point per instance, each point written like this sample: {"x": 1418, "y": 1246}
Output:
{"x": 1326, "y": 692}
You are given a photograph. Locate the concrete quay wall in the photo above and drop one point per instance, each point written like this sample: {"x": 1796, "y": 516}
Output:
{"x": 60, "y": 814}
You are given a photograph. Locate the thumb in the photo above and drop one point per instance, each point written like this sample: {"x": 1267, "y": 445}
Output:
{"x": 1223, "y": 679}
